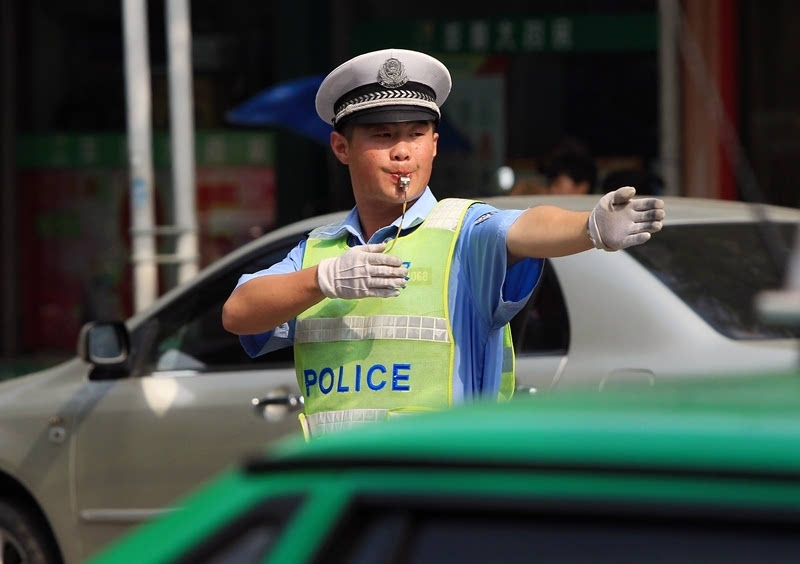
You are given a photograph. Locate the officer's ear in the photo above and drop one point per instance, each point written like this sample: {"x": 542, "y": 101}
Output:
{"x": 340, "y": 147}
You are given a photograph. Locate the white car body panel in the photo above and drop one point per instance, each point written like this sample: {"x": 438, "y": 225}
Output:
{"x": 210, "y": 416}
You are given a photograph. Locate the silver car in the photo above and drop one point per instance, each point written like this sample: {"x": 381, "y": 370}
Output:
{"x": 157, "y": 405}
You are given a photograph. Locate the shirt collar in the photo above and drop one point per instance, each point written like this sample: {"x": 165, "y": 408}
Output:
{"x": 415, "y": 215}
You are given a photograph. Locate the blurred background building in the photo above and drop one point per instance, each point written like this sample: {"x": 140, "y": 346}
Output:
{"x": 702, "y": 95}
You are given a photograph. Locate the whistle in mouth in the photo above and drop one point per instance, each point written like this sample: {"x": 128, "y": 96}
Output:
{"x": 404, "y": 183}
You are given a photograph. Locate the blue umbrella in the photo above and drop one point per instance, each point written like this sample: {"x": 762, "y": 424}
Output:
{"x": 291, "y": 104}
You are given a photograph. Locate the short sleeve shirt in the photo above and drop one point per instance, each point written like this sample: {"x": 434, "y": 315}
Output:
{"x": 484, "y": 293}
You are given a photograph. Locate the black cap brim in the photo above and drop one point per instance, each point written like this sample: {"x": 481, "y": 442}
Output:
{"x": 390, "y": 114}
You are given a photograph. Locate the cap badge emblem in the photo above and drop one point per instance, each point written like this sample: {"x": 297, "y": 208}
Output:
{"x": 392, "y": 74}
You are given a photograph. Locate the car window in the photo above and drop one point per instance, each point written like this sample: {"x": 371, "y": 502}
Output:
{"x": 251, "y": 546}
{"x": 542, "y": 326}
{"x": 248, "y": 538}
{"x": 718, "y": 270}
{"x": 188, "y": 334}
{"x": 479, "y": 530}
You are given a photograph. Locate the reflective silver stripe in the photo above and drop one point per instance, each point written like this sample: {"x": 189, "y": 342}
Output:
{"x": 358, "y": 328}
{"x": 328, "y": 422}
{"x": 447, "y": 214}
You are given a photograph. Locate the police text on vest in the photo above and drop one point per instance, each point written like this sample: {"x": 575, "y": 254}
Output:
{"x": 374, "y": 378}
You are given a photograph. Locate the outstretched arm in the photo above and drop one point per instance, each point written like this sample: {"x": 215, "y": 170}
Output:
{"x": 616, "y": 222}
{"x": 546, "y": 232}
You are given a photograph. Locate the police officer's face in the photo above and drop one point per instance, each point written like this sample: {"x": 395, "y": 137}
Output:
{"x": 378, "y": 155}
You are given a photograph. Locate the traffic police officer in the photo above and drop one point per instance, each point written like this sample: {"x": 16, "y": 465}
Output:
{"x": 404, "y": 305}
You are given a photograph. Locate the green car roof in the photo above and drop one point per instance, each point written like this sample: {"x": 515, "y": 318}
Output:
{"x": 728, "y": 442}
{"x": 734, "y": 423}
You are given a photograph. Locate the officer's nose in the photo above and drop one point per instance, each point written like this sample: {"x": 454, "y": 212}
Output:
{"x": 400, "y": 152}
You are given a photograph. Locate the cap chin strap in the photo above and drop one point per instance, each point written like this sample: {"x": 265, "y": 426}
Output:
{"x": 353, "y": 108}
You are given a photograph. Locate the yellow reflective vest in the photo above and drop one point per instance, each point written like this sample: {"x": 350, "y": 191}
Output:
{"x": 359, "y": 361}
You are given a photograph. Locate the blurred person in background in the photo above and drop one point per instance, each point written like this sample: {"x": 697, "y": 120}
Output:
{"x": 571, "y": 169}
{"x": 528, "y": 182}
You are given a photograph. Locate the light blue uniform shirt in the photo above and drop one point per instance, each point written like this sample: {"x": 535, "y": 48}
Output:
{"x": 484, "y": 294}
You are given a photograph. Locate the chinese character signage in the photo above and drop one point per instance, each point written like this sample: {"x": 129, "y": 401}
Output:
{"x": 518, "y": 35}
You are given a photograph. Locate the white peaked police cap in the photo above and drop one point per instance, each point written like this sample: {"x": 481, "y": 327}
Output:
{"x": 390, "y": 85}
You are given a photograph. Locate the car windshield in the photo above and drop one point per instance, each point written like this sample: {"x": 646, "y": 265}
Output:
{"x": 718, "y": 269}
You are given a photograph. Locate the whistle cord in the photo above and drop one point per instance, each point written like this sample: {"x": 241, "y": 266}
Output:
{"x": 399, "y": 227}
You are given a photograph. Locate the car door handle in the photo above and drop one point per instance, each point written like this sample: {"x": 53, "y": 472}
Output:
{"x": 623, "y": 376}
{"x": 289, "y": 400}
{"x": 276, "y": 407}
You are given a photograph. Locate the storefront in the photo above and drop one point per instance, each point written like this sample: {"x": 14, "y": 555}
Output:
{"x": 523, "y": 81}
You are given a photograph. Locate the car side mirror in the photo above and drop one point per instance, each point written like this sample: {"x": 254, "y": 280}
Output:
{"x": 104, "y": 344}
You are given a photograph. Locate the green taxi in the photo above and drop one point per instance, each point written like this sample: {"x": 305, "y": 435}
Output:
{"x": 691, "y": 471}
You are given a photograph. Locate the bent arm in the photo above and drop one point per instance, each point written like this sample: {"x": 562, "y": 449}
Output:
{"x": 547, "y": 232}
{"x": 263, "y": 303}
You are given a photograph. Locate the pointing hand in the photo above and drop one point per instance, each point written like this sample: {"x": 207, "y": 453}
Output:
{"x": 618, "y": 221}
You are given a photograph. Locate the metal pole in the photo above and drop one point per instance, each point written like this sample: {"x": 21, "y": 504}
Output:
{"x": 669, "y": 86}
{"x": 140, "y": 158}
{"x": 8, "y": 187}
{"x": 181, "y": 104}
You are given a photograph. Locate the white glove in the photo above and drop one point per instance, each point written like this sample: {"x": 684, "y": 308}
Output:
{"x": 362, "y": 272}
{"x": 617, "y": 221}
